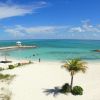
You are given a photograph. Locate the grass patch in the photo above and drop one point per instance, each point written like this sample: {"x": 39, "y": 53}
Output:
{"x": 5, "y": 94}
{"x": 6, "y": 76}
{"x": 5, "y": 97}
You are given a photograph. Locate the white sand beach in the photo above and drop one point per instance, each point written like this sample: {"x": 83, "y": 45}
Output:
{"x": 32, "y": 80}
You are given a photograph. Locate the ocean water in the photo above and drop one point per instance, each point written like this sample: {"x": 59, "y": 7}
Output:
{"x": 54, "y": 50}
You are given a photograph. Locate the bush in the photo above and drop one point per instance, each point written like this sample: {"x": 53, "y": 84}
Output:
{"x": 6, "y": 78}
{"x": 19, "y": 64}
{"x": 11, "y": 67}
{"x": 1, "y": 68}
{"x": 77, "y": 90}
{"x": 30, "y": 61}
{"x": 65, "y": 88}
{"x": 2, "y": 76}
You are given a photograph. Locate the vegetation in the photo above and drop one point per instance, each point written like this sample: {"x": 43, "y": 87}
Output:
{"x": 6, "y": 76}
{"x": 74, "y": 66}
{"x": 5, "y": 94}
{"x": 11, "y": 67}
{"x": 18, "y": 65}
{"x": 5, "y": 97}
{"x": 30, "y": 61}
{"x": 65, "y": 88}
{"x": 1, "y": 68}
{"x": 77, "y": 90}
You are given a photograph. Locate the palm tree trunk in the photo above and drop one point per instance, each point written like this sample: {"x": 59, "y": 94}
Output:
{"x": 71, "y": 84}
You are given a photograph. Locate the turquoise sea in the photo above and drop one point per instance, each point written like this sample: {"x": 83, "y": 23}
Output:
{"x": 53, "y": 49}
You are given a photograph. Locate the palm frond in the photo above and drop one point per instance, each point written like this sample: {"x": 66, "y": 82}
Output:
{"x": 75, "y": 65}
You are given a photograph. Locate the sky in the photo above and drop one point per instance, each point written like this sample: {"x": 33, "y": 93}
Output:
{"x": 49, "y": 19}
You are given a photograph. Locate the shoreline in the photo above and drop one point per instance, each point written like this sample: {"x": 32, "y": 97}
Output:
{"x": 14, "y": 59}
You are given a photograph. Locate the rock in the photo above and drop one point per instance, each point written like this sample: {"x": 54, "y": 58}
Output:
{"x": 96, "y": 50}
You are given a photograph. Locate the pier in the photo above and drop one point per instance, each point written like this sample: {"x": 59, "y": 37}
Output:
{"x": 18, "y": 46}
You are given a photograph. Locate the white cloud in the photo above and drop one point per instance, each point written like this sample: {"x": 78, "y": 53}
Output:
{"x": 45, "y": 29}
{"x": 76, "y": 29}
{"x": 85, "y": 27}
{"x": 39, "y": 29}
{"x": 87, "y": 30}
{"x": 19, "y": 30}
{"x": 11, "y": 10}
{"x": 15, "y": 32}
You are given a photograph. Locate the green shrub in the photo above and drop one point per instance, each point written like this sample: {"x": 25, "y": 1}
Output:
{"x": 1, "y": 68}
{"x": 77, "y": 90}
{"x": 65, "y": 88}
{"x": 4, "y": 76}
{"x": 11, "y": 67}
{"x": 30, "y": 61}
{"x": 19, "y": 64}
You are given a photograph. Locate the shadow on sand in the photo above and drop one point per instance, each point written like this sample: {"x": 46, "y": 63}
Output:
{"x": 55, "y": 91}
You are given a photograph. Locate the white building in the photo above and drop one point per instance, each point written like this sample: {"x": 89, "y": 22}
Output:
{"x": 18, "y": 43}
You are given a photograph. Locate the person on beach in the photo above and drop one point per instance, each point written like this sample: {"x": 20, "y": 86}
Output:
{"x": 39, "y": 59}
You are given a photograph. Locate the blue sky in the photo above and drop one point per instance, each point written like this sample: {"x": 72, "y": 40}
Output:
{"x": 49, "y": 19}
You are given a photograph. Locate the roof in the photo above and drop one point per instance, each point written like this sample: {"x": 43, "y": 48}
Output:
{"x": 18, "y": 42}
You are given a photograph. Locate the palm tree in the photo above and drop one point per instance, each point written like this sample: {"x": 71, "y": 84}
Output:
{"x": 74, "y": 66}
